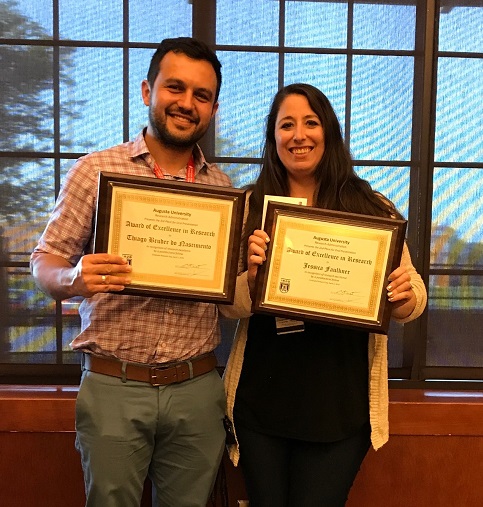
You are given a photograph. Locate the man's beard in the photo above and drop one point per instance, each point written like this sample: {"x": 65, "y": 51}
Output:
{"x": 162, "y": 134}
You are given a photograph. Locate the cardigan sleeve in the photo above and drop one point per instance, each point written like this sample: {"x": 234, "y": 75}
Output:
{"x": 242, "y": 304}
{"x": 417, "y": 283}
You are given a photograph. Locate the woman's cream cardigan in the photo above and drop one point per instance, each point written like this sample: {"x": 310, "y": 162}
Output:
{"x": 378, "y": 379}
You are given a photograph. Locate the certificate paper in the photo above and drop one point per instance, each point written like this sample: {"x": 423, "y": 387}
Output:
{"x": 182, "y": 239}
{"x": 302, "y": 201}
{"x": 329, "y": 266}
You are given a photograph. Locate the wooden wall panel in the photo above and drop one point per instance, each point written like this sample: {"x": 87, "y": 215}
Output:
{"x": 434, "y": 457}
{"x": 422, "y": 471}
{"x": 40, "y": 469}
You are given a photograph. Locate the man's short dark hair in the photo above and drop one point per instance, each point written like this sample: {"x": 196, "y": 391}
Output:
{"x": 190, "y": 47}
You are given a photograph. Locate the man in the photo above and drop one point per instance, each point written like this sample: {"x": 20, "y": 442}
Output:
{"x": 128, "y": 428}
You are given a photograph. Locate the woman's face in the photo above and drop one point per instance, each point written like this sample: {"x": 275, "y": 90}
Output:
{"x": 299, "y": 137}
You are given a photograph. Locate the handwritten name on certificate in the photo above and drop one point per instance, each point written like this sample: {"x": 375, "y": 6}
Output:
{"x": 174, "y": 240}
{"x": 329, "y": 267}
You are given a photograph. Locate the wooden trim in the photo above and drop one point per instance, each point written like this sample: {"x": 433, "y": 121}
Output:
{"x": 411, "y": 411}
{"x": 37, "y": 408}
{"x": 428, "y": 412}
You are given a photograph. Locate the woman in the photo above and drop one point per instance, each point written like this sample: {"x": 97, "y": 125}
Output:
{"x": 306, "y": 406}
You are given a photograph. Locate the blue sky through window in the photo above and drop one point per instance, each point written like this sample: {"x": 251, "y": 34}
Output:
{"x": 381, "y": 86}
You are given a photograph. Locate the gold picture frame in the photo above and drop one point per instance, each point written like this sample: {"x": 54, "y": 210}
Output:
{"x": 328, "y": 266}
{"x": 182, "y": 239}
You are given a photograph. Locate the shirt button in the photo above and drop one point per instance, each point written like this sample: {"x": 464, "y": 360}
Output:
{"x": 170, "y": 311}
{"x": 163, "y": 345}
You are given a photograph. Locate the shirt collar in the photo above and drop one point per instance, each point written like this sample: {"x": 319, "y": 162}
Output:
{"x": 139, "y": 148}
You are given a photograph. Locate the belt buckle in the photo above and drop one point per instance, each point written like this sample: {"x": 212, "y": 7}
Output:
{"x": 153, "y": 375}
{"x": 177, "y": 375}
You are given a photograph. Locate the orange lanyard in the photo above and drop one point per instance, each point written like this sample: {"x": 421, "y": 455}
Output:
{"x": 190, "y": 170}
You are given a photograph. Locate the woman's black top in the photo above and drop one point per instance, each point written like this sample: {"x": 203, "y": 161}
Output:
{"x": 310, "y": 385}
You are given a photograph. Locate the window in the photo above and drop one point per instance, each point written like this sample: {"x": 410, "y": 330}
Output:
{"x": 404, "y": 76}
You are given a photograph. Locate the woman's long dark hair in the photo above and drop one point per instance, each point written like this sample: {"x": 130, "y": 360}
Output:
{"x": 337, "y": 185}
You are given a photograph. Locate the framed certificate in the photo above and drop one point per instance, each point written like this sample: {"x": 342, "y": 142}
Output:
{"x": 182, "y": 239}
{"x": 328, "y": 266}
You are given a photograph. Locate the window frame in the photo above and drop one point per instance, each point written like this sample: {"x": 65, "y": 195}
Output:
{"x": 413, "y": 373}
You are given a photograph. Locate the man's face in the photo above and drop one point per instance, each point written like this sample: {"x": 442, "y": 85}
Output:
{"x": 182, "y": 100}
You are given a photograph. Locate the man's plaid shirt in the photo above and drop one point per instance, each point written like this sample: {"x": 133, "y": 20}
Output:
{"x": 132, "y": 328}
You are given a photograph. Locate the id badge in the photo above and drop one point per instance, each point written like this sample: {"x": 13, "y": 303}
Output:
{"x": 286, "y": 326}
